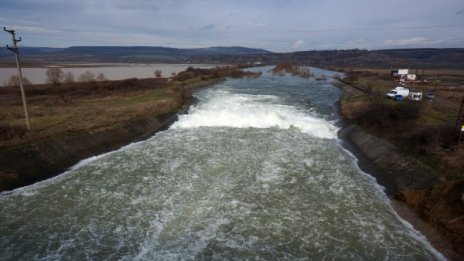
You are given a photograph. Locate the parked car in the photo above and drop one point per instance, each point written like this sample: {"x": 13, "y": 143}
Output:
{"x": 400, "y": 90}
{"x": 415, "y": 96}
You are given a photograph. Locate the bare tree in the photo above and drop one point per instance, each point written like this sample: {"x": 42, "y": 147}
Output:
{"x": 101, "y": 77}
{"x": 87, "y": 77}
{"x": 68, "y": 77}
{"x": 14, "y": 81}
{"x": 55, "y": 75}
{"x": 158, "y": 73}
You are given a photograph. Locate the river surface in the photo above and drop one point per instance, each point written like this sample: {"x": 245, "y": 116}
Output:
{"x": 255, "y": 171}
{"x": 111, "y": 71}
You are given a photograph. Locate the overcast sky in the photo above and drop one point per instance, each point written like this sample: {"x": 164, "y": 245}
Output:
{"x": 275, "y": 25}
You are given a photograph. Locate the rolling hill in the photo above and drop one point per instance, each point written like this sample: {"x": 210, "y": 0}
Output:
{"x": 419, "y": 57}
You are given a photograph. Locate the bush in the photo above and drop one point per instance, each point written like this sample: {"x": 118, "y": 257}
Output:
{"x": 384, "y": 114}
{"x": 55, "y": 75}
{"x": 14, "y": 81}
{"x": 432, "y": 137}
{"x": 87, "y": 77}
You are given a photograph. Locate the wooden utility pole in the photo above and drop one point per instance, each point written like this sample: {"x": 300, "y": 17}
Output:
{"x": 15, "y": 50}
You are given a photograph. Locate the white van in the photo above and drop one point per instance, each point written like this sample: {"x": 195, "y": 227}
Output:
{"x": 398, "y": 91}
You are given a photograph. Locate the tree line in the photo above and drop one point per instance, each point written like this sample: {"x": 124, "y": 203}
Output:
{"x": 56, "y": 76}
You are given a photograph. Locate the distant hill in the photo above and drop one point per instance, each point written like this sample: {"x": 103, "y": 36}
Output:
{"x": 136, "y": 54}
{"x": 31, "y": 50}
{"x": 450, "y": 58}
{"x": 423, "y": 57}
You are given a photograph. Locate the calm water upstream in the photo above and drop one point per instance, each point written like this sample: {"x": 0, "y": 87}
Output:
{"x": 255, "y": 171}
{"x": 111, "y": 71}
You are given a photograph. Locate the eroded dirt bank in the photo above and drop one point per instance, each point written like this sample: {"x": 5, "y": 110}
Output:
{"x": 411, "y": 183}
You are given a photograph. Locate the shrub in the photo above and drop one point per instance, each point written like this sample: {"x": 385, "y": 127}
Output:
{"x": 68, "y": 78}
{"x": 87, "y": 77}
{"x": 430, "y": 138}
{"x": 383, "y": 114}
{"x": 55, "y": 75}
{"x": 14, "y": 81}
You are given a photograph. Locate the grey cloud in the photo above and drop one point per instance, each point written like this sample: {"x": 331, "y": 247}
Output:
{"x": 207, "y": 27}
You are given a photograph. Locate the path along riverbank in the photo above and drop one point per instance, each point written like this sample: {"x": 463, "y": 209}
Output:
{"x": 417, "y": 192}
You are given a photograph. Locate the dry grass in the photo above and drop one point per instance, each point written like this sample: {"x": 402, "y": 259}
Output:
{"x": 57, "y": 110}
{"x": 82, "y": 107}
{"x": 430, "y": 136}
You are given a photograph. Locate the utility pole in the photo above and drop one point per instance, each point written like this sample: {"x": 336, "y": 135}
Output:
{"x": 15, "y": 50}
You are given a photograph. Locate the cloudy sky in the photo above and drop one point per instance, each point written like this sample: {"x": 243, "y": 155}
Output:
{"x": 275, "y": 25}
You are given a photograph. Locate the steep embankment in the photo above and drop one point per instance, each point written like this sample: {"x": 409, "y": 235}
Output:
{"x": 35, "y": 161}
{"x": 440, "y": 204}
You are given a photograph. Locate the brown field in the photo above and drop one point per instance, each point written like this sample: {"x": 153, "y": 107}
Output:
{"x": 84, "y": 106}
{"x": 425, "y": 129}
{"x": 74, "y": 107}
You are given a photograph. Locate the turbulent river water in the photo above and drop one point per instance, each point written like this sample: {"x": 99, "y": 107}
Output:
{"x": 254, "y": 171}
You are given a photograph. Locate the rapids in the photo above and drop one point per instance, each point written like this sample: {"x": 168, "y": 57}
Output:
{"x": 254, "y": 171}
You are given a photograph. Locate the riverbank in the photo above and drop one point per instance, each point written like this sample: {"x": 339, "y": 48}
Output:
{"x": 419, "y": 193}
{"x": 71, "y": 123}
{"x": 401, "y": 176}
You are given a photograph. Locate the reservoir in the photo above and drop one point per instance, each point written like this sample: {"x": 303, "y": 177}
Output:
{"x": 254, "y": 171}
{"x": 111, "y": 71}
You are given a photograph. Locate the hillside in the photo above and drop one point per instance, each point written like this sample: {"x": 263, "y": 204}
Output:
{"x": 429, "y": 57}
{"x": 121, "y": 54}
{"x": 450, "y": 58}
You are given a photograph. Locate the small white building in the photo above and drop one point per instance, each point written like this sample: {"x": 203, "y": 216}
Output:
{"x": 411, "y": 77}
{"x": 402, "y": 72}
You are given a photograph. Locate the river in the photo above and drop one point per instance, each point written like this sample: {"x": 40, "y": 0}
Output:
{"x": 110, "y": 71}
{"x": 254, "y": 171}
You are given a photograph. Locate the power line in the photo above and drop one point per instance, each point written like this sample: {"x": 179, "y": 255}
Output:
{"x": 15, "y": 50}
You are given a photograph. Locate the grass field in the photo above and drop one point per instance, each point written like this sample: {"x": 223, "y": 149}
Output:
{"x": 57, "y": 110}
{"x": 425, "y": 129}
{"x": 93, "y": 107}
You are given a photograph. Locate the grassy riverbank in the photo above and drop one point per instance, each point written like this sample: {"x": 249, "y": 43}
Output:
{"x": 75, "y": 121}
{"x": 89, "y": 106}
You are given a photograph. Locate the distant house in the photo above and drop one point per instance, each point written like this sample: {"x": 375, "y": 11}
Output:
{"x": 402, "y": 72}
{"x": 411, "y": 77}
{"x": 398, "y": 73}
{"x": 403, "y": 75}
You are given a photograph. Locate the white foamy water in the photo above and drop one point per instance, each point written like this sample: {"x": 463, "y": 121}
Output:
{"x": 210, "y": 188}
{"x": 225, "y": 109}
